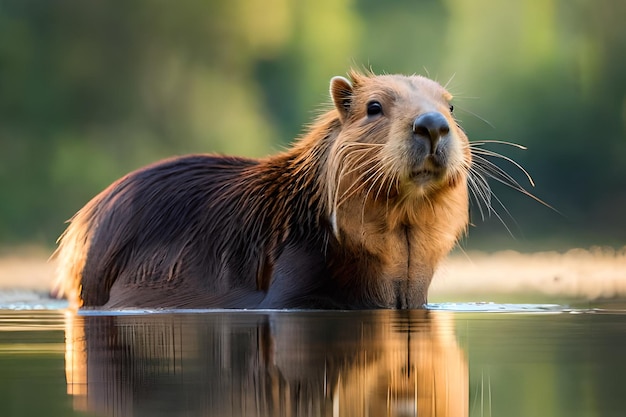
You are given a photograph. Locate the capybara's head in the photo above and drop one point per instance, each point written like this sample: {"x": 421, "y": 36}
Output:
{"x": 399, "y": 143}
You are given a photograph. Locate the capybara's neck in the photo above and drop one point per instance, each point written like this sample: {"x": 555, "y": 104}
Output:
{"x": 293, "y": 183}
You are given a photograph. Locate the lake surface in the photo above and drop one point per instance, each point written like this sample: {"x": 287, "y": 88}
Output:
{"x": 450, "y": 360}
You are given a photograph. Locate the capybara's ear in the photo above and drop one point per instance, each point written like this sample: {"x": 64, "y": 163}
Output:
{"x": 341, "y": 93}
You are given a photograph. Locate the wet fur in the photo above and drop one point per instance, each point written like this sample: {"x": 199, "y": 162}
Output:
{"x": 336, "y": 221}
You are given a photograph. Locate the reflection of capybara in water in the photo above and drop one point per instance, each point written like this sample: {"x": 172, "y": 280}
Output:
{"x": 377, "y": 363}
{"x": 357, "y": 214}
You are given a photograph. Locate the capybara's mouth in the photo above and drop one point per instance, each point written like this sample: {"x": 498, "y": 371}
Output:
{"x": 423, "y": 176}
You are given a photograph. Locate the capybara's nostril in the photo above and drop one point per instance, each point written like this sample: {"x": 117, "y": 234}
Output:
{"x": 431, "y": 126}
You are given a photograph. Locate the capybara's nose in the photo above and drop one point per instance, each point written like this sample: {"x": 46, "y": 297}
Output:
{"x": 431, "y": 126}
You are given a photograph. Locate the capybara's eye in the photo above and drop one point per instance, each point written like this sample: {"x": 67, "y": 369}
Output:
{"x": 374, "y": 108}
{"x": 451, "y": 108}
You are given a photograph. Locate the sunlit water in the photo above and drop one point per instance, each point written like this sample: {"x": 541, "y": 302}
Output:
{"x": 465, "y": 359}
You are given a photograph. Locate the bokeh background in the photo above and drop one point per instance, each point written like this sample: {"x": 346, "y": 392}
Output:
{"x": 90, "y": 90}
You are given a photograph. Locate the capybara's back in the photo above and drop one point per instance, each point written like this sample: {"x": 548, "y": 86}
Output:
{"x": 162, "y": 229}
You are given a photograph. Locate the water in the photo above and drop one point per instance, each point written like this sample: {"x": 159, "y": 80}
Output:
{"x": 453, "y": 360}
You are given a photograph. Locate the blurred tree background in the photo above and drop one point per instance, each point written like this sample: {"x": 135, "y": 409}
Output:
{"x": 92, "y": 90}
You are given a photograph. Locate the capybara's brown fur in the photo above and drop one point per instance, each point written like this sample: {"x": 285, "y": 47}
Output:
{"x": 357, "y": 214}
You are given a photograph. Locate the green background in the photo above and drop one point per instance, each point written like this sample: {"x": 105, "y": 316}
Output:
{"x": 90, "y": 90}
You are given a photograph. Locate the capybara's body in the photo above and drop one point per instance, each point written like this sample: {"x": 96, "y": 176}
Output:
{"x": 357, "y": 214}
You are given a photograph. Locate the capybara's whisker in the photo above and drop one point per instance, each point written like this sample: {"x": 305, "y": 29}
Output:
{"x": 356, "y": 185}
{"x": 499, "y": 142}
{"x": 479, "y": 151}
{"x": 480, "y": 194}
{"x": 496, "y": 172}
{"x": 502, "y": 177}
{"x": 482, "y": 119}
{"x": 377, "y": 176}
{"x": 447, "y": 84}
{"x": 381, "y": 183}
{"x": 483, "y": 168}
{"x": 485, "y": 194}
{"x": 349, "y": 166}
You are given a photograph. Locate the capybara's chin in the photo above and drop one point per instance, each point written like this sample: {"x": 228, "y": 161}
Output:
{"x": 356, "y": 214}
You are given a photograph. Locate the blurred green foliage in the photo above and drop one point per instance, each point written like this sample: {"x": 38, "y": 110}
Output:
{"x": 92, "y": 90}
